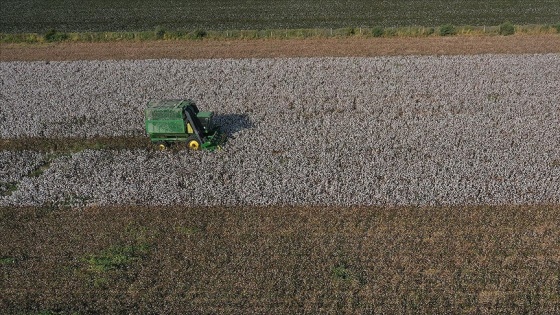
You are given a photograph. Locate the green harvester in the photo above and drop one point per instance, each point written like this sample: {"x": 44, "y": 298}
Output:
{"x": 180, "y": 121}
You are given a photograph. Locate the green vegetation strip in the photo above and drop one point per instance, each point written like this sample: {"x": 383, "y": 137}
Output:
{"x": 159, "y": 33}
{"x": 27, "y": 16}
{"x": 72, "y": 145}
{"x": 470, "y": 259}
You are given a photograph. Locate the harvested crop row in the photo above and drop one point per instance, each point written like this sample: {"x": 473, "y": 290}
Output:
{"x": 334, "y": 131}
{"x": 72, "y": 145}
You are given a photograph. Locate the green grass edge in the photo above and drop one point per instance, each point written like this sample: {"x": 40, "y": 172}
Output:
{"x": 160, "y": 33}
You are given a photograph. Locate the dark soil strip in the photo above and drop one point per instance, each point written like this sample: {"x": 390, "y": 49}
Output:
{"x": 71, "y": 145}
{"x": 280, "y": 48}
{"x": 182, "y": 260}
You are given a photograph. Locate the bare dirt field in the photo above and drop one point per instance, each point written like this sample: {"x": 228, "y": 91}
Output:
{"x": 283, "y": 260}
{"x": 343, "y": 47}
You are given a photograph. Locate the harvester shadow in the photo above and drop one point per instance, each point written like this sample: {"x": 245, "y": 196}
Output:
{"x": 233, "y": 123}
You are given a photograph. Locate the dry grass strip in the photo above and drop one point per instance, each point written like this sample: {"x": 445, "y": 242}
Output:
{"x": 278, "y": 48}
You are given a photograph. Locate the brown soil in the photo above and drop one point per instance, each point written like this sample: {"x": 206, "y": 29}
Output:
{"x": 283, "y": 260}
{"x": 517, "y": 44}
{"x": 69, "y": 145}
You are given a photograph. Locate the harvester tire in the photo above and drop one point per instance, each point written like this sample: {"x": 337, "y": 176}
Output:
{"x": 194, "y": 145}
{"x": 162, "y": 146}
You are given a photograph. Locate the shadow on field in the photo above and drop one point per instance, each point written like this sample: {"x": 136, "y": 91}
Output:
{"x": 233, "y": 123}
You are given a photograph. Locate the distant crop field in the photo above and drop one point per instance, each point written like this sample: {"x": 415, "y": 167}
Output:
{"x": 130, "y": 15}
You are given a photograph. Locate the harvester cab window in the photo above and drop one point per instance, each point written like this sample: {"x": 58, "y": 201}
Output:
{"x": 205, "y": 121}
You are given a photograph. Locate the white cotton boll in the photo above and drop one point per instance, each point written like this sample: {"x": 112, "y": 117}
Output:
{"x": 305, "y": 131}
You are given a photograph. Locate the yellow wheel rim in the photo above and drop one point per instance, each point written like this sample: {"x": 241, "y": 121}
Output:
{"x": 161, "y": 147}
{"x": 194, "y": 145}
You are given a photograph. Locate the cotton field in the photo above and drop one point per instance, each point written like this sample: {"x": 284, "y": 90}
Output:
{"x": 306, "y": 131}
{"x": 14, "y": 166}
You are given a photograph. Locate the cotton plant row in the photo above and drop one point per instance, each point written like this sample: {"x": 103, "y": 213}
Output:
{"x": 315, "y": 173}
{"x": 107, "y": 98}
{"x": 405, "y": 162}
{"x": 323, "y": 131}
{"x": 14, "y": 166}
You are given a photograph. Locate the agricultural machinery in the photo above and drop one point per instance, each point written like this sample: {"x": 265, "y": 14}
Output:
{"x": 180, "y": 121}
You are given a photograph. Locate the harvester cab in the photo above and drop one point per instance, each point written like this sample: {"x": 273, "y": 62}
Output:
{"x": 180, "y": 121}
